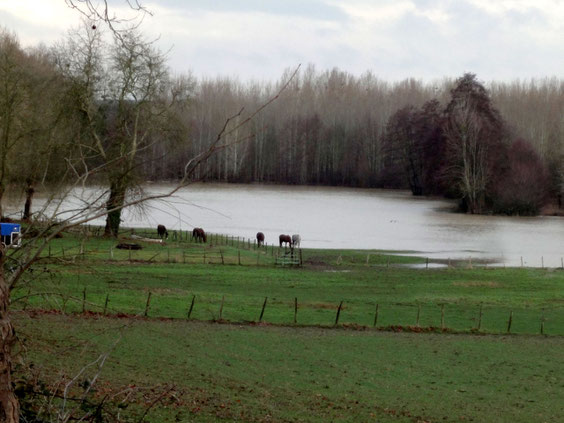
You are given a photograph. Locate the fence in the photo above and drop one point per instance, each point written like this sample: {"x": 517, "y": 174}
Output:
{"x": 213, "y": 253}
{"x": 479, "y": 318}
{"x": 217, "y": 250}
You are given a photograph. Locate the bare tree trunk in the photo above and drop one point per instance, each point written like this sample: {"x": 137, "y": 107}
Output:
{"x": 1, "y": 200}
{"x": 28, "y": 199}
{"x": 9, "y": 406}
{"x": 114, "y": 204}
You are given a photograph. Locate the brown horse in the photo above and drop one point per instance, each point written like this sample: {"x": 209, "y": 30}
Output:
{"x": 285, "y": 239}
{"x": 162, "y": 232}
{"x": 199, "y": 235}
{"x": 260, "y": 239}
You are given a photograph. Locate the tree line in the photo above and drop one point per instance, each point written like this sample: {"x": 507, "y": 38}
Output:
{"x": 497, "y": 147}
{"x": 85, "y": 103}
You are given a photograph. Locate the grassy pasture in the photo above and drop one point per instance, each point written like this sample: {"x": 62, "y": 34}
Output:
{"x": 175, "y": 275}
{"x": 206, "y": 372}
{"x": 278, "y": 371}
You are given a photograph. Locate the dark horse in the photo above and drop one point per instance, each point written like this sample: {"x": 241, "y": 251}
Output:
{"x": 285, "y": 239}
{"x": 260, "y": 238}
{"x": 163, "y": 233}
{"x": 199, "y": 234}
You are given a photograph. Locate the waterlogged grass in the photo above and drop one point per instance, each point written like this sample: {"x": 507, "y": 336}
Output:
{"x": 217, "y": 372}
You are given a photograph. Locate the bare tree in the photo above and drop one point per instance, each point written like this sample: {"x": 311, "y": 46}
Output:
{"x": 124, "y": 98}
{"x": 474, "y": 131}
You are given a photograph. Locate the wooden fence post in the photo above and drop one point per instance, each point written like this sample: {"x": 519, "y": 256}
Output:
{"x": 295, "y": 310}
{"x": 510, "y": 321}
{"x": 221, "y": 253}
{"x": 338, "y": 313}
{"x": 106, "y": 303}
{"x": 263, "y": 307}
{"x": 442, "y": 316}
{"x": 191, "y": 306}
{"x": 221, "y": 307}
{"x": 239, "y": 257}
{"x": 480, "y": 318}
{"x": 83, "y": 300}
{"x": 147, "y": 305}
{"x": 376, "y": 315}
{"x": 427, "y": 263}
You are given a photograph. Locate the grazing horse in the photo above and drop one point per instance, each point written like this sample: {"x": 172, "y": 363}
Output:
{"x": 199, "y": 235}
{"x": 163, "y": 233}
{"x": 296, "y": 240}
{"x": 285, "y": 239}
{"x": 260, "y": 239}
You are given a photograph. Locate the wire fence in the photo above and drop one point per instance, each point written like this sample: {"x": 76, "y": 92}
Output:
{"x": 420, "y": 317}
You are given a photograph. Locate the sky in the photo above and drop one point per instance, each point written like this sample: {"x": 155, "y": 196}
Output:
{"x": 499, "y": 40}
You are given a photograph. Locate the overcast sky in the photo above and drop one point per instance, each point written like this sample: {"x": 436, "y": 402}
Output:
{"x": 395, "y": 39}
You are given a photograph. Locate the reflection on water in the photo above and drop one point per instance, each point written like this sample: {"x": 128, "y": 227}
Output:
{"x": 357, "y": 218}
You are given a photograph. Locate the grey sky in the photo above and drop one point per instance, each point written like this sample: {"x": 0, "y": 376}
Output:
{"x": 395, "y": 39}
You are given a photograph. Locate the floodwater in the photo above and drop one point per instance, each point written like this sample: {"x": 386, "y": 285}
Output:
{"x": 358, "y": 219}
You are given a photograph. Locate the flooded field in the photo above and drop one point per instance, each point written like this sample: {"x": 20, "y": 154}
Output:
{"x": 356, "y": 218}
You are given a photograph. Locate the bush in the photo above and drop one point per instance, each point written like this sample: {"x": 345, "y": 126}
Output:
{"x": 522, "y": 188}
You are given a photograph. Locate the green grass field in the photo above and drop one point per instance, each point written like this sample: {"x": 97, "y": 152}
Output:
{"x": 237, "y": 369}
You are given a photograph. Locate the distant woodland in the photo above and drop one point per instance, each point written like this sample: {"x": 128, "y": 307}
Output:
{"x": 496, "y": 147}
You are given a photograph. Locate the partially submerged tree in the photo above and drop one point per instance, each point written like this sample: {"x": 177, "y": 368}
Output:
{"x": 474, "y": 134}
{"x": 413, "y": 148}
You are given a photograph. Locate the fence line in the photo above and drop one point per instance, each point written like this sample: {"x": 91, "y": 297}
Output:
{"x": 213, "y": 254}
{"x": 89, "y": 307}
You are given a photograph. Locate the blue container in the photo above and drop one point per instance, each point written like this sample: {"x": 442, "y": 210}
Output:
{"x": 10, "y": 234}
{"x": 9, "y": 228}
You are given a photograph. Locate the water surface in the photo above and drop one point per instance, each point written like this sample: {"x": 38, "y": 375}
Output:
{"x": 329, "y": 217}
{"x": 360, "y": 219}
